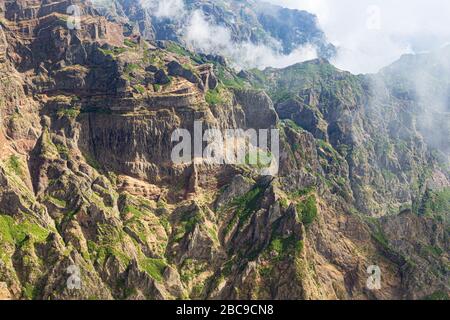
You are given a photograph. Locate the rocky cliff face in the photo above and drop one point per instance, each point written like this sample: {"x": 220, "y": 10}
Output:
{"x": 92, "y": 207}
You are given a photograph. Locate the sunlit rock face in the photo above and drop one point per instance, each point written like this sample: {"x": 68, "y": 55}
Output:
{"x": 92, "y": 205}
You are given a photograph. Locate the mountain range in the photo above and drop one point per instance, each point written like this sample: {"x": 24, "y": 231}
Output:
{"x": 88, "y": 188}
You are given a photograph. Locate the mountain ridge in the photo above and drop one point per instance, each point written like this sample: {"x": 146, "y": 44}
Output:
{"x": 248, "y": 22}
{"x": 87, "y": 182}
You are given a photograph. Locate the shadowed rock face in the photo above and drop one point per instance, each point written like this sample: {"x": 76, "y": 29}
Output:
{"x": 87, "y": 182}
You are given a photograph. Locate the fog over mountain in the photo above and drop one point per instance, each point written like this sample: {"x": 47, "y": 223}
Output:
{"x": 374, "y": 33}
{"x": 251, "y": 34}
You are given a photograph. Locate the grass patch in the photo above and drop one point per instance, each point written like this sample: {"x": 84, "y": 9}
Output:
{"x": 259, "y": 159}
{"x": 131, "y": 67}
{"x": 15, "y": 165}
{"x": 109, "y": 240}
{"x": 177, "y": 49}
{"x": 438, "y": 295}
{"x": 282, "y": 247}
{"x": 244, "y": 207}
{"x": 307, "y": 210}
{"x": 63, "y": 151}
{"x": 156, "y": 87}
{"x": 70, "y": 113}
{"x": 302, "y": 192}
{"x": 188, "y": 222}
{"x": 228, "y": 79}
{"x": 436, "y": 203}
{"x": 139, "y": 88}
{"x": 14, "y": 232}
{"x": 113, "y": 52}
{"x": 55, "y": 201}
{"x": 380, "y": 236}
{"x": 213, "y": 97}
{"x": 154, "y": 267}
{"x": 434, "y": 250}
{"x": 90, "y": 160}
{"x": 129, "y": 43}
{"x": 30, "y": 292}
{"x": 329, "y": 150}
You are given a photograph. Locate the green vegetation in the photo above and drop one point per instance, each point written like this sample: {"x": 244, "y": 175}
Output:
{"x": 137, "y": 213}
{"x": 161, "y": 204}
{"x": 434, "y": 250}
{"x": 259, "y": 159}
{"x": 291, "y": 124}
{"x": 283, "y": 247}
{"x": 213, "y": 97}
{"x": 90, "y": 160}
{"x": 15, "y": 165}
{"x": 55, "y": 201}
{"x": 436, "y": 203}
{"x": 328, "y": 148}
{"x": 284, "y": 203}
{"x": 229, "y": 79}
{"x": 129, "y": 43}
{"x": 113, "y": 52}
{"x": 438, "y": 295}
{"x": 244, "y": 207}
{"x": 307, "y": 210}
{"x": 302, "y": 192}
{"x": 191, "y": 222}
{"x": 154, "y": 267}
{"x": 179, "y": 50}
{"x": 14, "y": 232}
{"x": 156, "y": 87}
{"x": 212, "y": 232}
{"x": 383, "y": 146}
{"x": 131, "y": 67}
{"x": 188, "y": 221}
{"x": 286, "y": 83}
{"x": 378, "y": 234}
{"x": 228, "y": 267}
{"x": 63, "y": 151}
{"x": 30, "y": 292}
{"x": 70, "y": 113}
{"x": 69, "y": 216}
{"x": 139, "y": 88}
{"x": 191, "y": 269}
{"x": 109, "y": 243}
{"x": 259, "y": 77}
{"x": 197, "y": 290}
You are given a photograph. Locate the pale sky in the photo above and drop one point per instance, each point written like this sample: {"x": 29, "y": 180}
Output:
{"x": 374, "y": 33}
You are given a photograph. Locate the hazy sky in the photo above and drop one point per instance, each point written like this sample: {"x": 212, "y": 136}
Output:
{"x": 374, "y": 33}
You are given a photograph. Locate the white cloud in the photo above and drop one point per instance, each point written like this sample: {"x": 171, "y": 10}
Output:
{"x": 203, "y": 36}
{"x": 374, "y": 33}
{"x": 165, "y": 8}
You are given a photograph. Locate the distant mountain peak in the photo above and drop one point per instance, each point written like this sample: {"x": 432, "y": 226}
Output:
{"x": 227, "y": 27}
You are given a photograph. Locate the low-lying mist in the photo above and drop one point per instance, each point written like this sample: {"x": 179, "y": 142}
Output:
{"x": 371, "y": 34}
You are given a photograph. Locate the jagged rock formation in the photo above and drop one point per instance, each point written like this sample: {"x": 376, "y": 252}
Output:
{"x": 88, "y": 190}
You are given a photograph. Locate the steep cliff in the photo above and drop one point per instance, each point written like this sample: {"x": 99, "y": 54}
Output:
{"x": 89, "y": 191}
